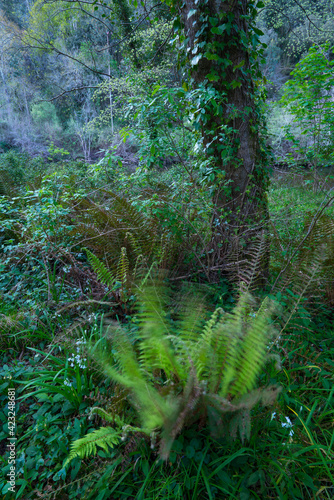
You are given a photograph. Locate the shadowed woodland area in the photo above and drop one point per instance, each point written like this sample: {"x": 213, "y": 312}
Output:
{"x": 167, "y": 249}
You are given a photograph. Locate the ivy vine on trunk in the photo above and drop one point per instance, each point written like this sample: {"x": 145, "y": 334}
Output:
{"x": 223, "y": 48}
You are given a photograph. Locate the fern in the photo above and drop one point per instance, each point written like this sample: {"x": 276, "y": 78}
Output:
{"x": 100, "y": 269}
{"x": 122, "y": 267}
{"x": 179, "y": 374}
{"x": 252, "y": 352}
{"x": 307, "y": 271}
{"x": 86, "y": 446}
{"x": 156, "y": 351}
{"x": 118, "y": 234}
{"x": 246, "y": 266}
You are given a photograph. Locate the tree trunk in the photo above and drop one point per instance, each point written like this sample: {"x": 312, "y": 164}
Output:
{"x": 220, "y": 38}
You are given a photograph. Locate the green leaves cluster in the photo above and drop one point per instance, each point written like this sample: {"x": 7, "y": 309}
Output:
{"x": 308, "y": 95}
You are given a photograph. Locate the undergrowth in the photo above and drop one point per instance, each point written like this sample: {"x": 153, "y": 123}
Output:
{"x": 67, "y": 278}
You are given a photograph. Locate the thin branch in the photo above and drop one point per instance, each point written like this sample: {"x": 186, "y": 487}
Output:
{"x": 162, "y": 45}
{"x": 94, "y": 17}
{"x": 67, "y": 92}
{"x": 307, "y": 16}
{"x": 59, "y": 52}
{"x": 104, "y": 6}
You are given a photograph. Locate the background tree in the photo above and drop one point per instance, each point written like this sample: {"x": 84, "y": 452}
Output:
{"x": 299, "y": 24}
{"x": 309, "y": 96}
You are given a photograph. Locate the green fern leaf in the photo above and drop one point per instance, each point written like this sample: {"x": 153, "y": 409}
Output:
{"x": 252, "y": 354}
{"x": 100, "y": 269}
{"x": 86, "y": 446}
{"x": 122, "y": 267}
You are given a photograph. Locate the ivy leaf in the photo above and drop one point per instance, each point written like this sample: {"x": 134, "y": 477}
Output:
{"x": 240, "y": 65}
{"x": 195, "y": 60}
{"x": 191, "y": 13}
{"x": 258, "y": 32}
{"x": 156, "y": 88}
{"x": 212, "y": 57}
{"x": 212, "y": 77}
{"x": 219, "y": 30}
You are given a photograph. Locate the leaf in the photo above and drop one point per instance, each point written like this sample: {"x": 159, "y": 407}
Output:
{"x": 212, "y": 77}
{"x": 238, "y": 66}
{"x": 192, "y": 12}
{"x": 195, "y": 60}
{"x": 190, "y": 452}
{"x": 258, "y": 32}
{"x": 219, "y": 30}
{"x": 155, "y": 90}
{"x": 86, "y": 446}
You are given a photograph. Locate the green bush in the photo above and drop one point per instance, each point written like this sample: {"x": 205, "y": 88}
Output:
{"x": 308, "y": 95}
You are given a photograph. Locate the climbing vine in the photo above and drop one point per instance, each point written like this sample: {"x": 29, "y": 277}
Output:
{"x": 224, "y": 49}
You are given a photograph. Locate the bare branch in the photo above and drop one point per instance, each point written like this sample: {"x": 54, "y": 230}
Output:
{"x": 50, "y": 47}
{"x": 162, "y": 45}
{"x": 68, "y": 92}
{"x": 98, "y": 4}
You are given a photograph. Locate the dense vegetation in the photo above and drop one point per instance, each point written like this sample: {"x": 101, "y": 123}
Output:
{"x": 160, "y": 338}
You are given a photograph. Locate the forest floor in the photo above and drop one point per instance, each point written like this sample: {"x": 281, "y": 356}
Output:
{"x": 46, "y": 373}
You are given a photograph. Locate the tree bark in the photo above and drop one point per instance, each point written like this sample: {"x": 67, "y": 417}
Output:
{"x": 230, "y": 137}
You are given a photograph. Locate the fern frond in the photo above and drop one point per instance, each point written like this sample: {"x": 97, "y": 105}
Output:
{"x": 118, "y": 224}
{"x": 100, "y": 269}
{"x": 134, "y": 243}
{"x": 154, "y": 409}
{"x": 155, "y": 348}
{"x": 252, "y": 354}
{"x": 202, "y": 351}
{"x": 86, "y": 446}
{"x": 246, "y": 266}
{"x": 122, "y": 267}
{"x": 190, "y": 327}
{"x": 115, "y": 419}
{"x": 312, "y": 260}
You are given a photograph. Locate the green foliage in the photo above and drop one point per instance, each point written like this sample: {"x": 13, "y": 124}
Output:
{"x": 102, "y": 272}
{"x": 298, "y": 25}
{"x": 216, "y": 78}
{"x": 191, "y": 379}
{"x": 158, "y": 121}
{"x": 308, "y": 96}
{"x": 286, "y": 458}
{"x": 42, "y": 422}
{"x": 44, "y": 112}
{"x": 86, "y": 446}
{"x": 198, "y": 465}
{"x": 120, "y": 282}
{"x": 117, "y": 225}
{"x": 12, "y": 165}
{"x": 20, "y": 169}
{"x": 193, "y": 373}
